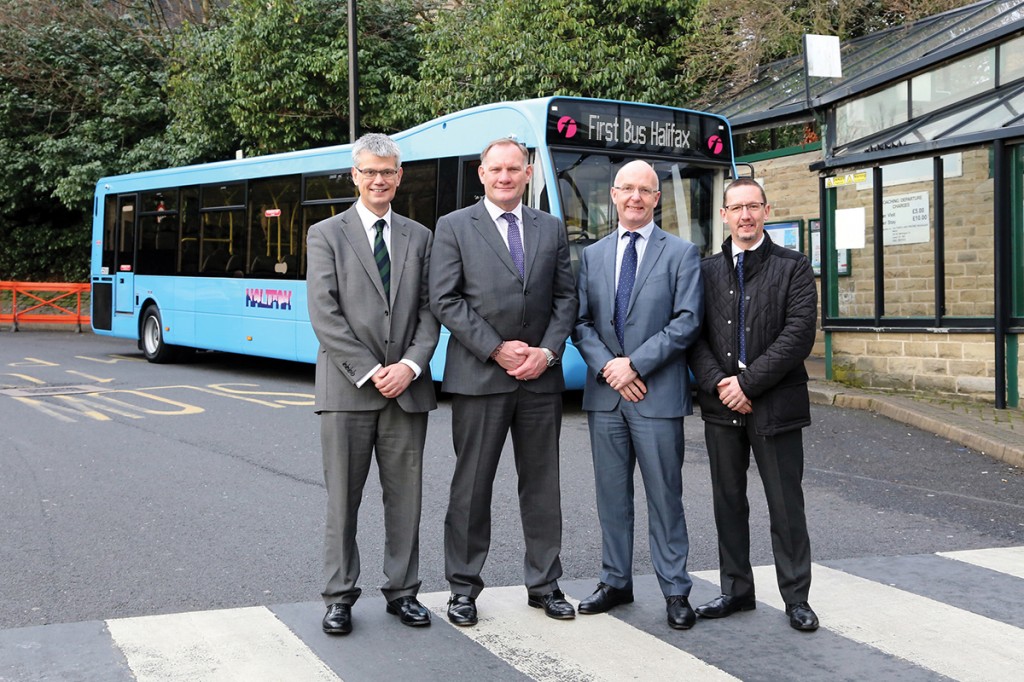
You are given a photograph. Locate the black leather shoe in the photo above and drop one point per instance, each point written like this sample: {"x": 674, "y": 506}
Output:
{"x": 462, "y": 609}
{"x": 802, "y": 617}
{"x": 726, "y": 605}
{"x": 338, "y": 620}
{"x": 680, "y": 615}
{"x": 605, "y": 598}
{"x": 409, "y": 611}
{"x": 554, "y": 605}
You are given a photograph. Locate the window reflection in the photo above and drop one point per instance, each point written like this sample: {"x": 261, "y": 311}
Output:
{"x": 687, "y": 207}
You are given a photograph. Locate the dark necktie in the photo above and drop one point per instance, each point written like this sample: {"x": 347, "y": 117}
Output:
{"x": 743, "y": 309}
{"x": 515, "y": 242}
{"x": 627, "y": 277}
{"x": 380, "y": 254}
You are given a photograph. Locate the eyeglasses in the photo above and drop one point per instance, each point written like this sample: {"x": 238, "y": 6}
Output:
{"x": 753, "y": 209}
{"x": 386, "y": 173}
{"x": 645, "y": 192}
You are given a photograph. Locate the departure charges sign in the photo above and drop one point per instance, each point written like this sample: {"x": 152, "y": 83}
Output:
{"x": 638, "y": 128}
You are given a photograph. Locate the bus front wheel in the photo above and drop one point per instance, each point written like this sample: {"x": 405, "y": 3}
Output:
{"x": 151, "y": 340}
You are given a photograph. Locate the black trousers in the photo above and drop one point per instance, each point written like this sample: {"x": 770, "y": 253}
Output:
{"x": 780, "y": 461}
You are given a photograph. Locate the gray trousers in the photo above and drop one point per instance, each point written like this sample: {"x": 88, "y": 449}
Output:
{"x": 349, "y": 440}
{"x": 480, "y": 425}
{"x": 620, "y": 439}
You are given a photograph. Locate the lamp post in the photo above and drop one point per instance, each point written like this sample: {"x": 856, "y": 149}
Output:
{"x": 353, "y": 75}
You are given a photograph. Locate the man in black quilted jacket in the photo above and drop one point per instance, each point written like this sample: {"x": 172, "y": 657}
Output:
{"x": 760, "y": 307}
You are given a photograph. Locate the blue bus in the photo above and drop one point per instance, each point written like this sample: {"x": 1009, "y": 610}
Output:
{"x": 213, "y": 257}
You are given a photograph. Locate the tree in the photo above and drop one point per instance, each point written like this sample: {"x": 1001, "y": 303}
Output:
{"x": 272, "y": 75}
{"x": 81, "y": 95}
{"x": 492, "y": 50}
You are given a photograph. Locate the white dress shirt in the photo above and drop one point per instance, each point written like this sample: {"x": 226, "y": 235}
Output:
{"x": 641, "y": 247}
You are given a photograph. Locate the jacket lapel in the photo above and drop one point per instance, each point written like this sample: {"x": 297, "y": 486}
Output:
{"x": 399, "y": 249}
{"x": 611, "y": 243}
{"x": 352, "y": 231}
{"x": 651, "y": 255}
{"x": 531, "y": 242}
{"x": 485, "y": 226}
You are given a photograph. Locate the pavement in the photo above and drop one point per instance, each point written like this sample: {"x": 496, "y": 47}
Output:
{"x": 976, "y": 425}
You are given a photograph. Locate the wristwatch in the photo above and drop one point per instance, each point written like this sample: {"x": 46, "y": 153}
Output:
{"x": 552, "y": 358}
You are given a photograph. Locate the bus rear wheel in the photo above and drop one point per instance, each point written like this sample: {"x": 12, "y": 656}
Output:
{"x": 151, "y": 339}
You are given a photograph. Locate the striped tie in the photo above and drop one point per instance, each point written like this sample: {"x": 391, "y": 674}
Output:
{"x": 380, "y": 254}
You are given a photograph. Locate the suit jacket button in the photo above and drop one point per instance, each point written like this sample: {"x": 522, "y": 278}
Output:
{"x": 386, "y": 313}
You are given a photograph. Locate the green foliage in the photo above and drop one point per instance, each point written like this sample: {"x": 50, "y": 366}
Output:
{"x": 269, "y": 76}
{"x": 81, "y": 95}
{"x": 44, "y": 247}
{"x": 493, "y": 50}
{"x": 90, "y": 88}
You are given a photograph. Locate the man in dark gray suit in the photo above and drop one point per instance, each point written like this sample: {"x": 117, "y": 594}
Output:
{"x": 367, "y": 281}
{"x": 641, "y": 304}
{"x": 501, "y": 282}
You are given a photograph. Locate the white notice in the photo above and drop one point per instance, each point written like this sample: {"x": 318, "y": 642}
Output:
{"x": 907, "y": 219}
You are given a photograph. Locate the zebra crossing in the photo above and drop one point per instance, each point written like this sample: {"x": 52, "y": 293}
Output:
{"x": 952, "y": 615}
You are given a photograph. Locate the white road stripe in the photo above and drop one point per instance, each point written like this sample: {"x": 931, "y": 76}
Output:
{"x": 589, "y": 648}
{"x": 1009, "y": 560}
{"x": 248, "y": 644}
{"x": 953, "y": 642}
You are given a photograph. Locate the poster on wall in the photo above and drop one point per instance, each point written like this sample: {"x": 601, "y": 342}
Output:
{"x": 786, "y": 233}
{"x": 907, "y": 219}
{"x": 842, "y": 255}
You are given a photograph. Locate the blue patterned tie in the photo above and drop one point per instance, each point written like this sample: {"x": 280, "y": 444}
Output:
{"x": 380, "y": 254}
{"x": 627, "y": 277}
{"x": 743, "y": 309}
{"x": 515, "y": 242}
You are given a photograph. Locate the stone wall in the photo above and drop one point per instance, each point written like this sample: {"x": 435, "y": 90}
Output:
{"x": 935, "y": 363}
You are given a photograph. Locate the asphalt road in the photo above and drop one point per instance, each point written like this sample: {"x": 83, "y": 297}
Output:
{"x": 129, "y": 489}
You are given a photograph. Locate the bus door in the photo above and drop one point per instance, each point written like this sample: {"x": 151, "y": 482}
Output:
{"x": 124, "y": 254}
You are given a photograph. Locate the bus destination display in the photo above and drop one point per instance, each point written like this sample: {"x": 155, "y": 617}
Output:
{"x": 637, "y": 128}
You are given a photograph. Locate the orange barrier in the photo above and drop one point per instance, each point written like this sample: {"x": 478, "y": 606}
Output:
{"x": 42, "y": 302}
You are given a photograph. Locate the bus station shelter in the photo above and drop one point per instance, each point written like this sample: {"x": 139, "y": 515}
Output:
{"x": 903, "y": 181}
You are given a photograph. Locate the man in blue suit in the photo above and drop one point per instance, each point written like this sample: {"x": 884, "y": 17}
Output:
{"x": 641, "y": 303}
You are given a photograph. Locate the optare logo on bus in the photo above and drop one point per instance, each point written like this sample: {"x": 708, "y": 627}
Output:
{"x": 281, "y": 299}
{"x": 567, "y": 126}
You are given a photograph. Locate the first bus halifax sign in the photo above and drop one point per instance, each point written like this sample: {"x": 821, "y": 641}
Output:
{"x": 637, "y": 128}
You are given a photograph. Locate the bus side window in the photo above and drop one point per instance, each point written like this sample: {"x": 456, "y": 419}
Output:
{"x": 188, "y": 263}
{"x": 109, "y": 234}
{"x": 447, "y": 186}
{"x": 472, "y": 188}
{"x": 416, "y": 199}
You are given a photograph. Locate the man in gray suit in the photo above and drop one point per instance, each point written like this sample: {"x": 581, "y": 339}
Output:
{"x": 641, "y": 304}
{"x": 367, "y": 281}
{"x": 501, "y": 282}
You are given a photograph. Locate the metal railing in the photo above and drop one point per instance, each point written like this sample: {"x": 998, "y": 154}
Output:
{"x": 42, "y": 303}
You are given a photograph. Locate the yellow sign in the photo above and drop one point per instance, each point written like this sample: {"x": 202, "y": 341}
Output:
{"x": 848, "y": 179}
